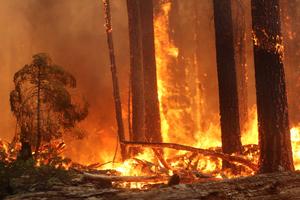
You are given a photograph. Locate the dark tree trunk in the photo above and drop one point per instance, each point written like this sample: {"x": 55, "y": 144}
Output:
{"x": 228, "y": 95}
{"x": 113, "y": 67}
{"x": 290, "y": 26}
{"x": 274, "y": 135}
{"x": 152, "y": 115}
{"x": 25, "y": 152}
{"x": 136, "y": 72}
{"x": 239, "y": 35}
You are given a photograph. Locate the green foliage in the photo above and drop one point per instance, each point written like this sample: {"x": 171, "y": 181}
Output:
{"x": 47, "y": 83}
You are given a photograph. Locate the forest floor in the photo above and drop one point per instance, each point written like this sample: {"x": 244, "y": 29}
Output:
{"x": 281, "y": 185}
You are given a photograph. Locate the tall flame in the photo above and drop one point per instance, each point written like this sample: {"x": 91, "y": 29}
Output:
{"x": 207, "y": 137}
{"x": 165, "y": 50}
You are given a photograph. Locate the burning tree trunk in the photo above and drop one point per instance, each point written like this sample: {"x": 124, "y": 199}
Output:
{"x": 228, "y": 95}
{"x": 116, "y": 92}
{"x": 152, "y": 117}
{"x": 239, "y": 33}
{"x": 172, "y": 70}
{"x": 136, "y": 71}
{"x": 205, "y": 75}
{"x": 182, "y": 74}
{"x": 274, "y": 136}
{"x": 291, "y": 25}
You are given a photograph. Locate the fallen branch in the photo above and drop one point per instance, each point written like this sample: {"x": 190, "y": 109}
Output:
{"x": 161, "y": 159}
{"x": 206, "y": 152}
{"x": 125, "y": 178}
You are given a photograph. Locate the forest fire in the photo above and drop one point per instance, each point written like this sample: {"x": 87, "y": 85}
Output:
{"x": 179, "y": 161}
{"x": 183, "y": 162}
{"x": 189, "y": 165}
{"x": 206, "y": 107}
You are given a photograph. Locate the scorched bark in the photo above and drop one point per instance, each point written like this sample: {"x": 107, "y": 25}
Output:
{"x": 228, "y": 95}
{"x": 152, "y": 115}
{"x": 136, "y": 71}
{"x": 272, "y": 110}
{"x": 239, "y": 36}
{"x": 113, "y": 67}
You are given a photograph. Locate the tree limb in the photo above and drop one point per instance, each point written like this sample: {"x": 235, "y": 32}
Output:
{"x": 206, "y": 152}
{"x": 125, "y": 178}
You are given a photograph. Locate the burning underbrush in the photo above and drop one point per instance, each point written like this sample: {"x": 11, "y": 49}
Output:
{"x": 185, "y": 156}
{"x": 157, "y": 163}
{"x": 18, "y": 176}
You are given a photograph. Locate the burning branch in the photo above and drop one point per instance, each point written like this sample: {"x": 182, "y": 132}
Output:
{"x": 206, "y": 152}
{"x": 161, "y": 159}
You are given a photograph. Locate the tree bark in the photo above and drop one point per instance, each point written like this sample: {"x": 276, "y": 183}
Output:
{"x": 25, "y": 152}
{"x": 125, "y": 178}
{"x": 113, "y": 67}
{"x": 274, "y": 135}
{"x": 136, "y": 72}
{"x": 152, "y": 115}
{"x": 239, "y": 35}
{"x": 274, "y": 186}
{"x": 228, "y": 94}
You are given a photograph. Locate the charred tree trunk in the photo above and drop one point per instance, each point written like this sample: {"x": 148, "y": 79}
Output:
{"x": 25, "y": 152}
{"x": 239, "y": 35}
{"x": 113, "y": 67}
{"x": 136, "y": 72}
{"x": 228, "y": 94}
{"x": 152, "y": 115}
{"x": 274, "y": 135}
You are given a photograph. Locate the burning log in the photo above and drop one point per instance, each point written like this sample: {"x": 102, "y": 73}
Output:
{"x": 170, "y": 180}
{"x": 161, "y": 159}
{"x": 174, "y": 180}
{"x": 125, "y": 178}
{"x": 206, "y": 152}
{"x": 265, "y": 186}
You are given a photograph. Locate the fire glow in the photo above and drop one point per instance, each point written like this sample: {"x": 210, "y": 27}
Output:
{"x": 179, "y": 160}
{"x": 208, "y": 139}
{"x": 185, "y": 163}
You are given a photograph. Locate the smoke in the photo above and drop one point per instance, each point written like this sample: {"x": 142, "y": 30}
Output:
{"x": 72, "y": 32}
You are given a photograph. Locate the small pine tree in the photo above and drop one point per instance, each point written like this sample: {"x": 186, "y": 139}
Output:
{"x": 42, "y": 104}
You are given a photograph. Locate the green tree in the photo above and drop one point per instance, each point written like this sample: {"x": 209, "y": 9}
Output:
{"x": 42, "y": 103}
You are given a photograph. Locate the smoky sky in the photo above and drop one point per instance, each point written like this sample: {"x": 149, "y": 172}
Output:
{"x": 72, "y": 32}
